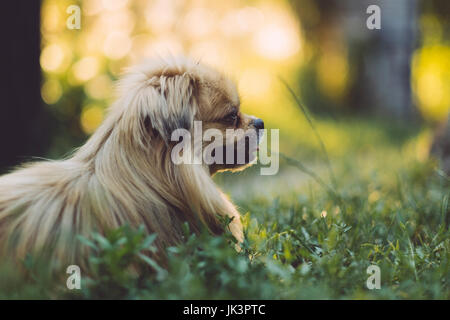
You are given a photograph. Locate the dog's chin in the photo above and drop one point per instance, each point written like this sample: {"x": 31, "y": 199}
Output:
{"x": 215, "y": 168}
{"x": 250, "y": 159}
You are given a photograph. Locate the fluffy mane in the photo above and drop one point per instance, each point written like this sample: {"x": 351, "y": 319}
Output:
{"x": 122, "y": 175}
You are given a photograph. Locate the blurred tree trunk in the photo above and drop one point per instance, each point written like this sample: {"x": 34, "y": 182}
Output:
{"x": 379, "y": 60}
{"x": 386, "y": 81}
{"x": 22, "y": 125}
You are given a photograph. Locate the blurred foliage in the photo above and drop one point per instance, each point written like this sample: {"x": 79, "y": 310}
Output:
{"x": 337, "y": 49}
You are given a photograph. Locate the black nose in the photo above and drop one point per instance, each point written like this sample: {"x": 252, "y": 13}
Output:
{"x": 258, "y": 123}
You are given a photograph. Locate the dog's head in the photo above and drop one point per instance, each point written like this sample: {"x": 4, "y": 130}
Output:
{"x": 180, "y": 94}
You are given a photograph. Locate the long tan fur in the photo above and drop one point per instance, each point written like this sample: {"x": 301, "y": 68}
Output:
{"x": 124, "y": 174}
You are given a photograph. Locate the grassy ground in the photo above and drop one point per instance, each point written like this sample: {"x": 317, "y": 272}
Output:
{"x": 389, "y": 207}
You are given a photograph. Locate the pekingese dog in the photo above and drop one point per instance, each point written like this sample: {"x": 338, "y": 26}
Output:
{"x": 125, "y": 173}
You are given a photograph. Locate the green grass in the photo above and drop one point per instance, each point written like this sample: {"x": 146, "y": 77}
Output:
{"x": 389, "y": 209}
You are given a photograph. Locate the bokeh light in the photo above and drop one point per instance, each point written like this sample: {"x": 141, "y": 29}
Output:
{"x": 332, "y": 71}
{"x": 85, "y": 68}
{"x": 51, "y": 91}
{"x": 99, "y": 88}
{"x": 91, "y": 117}
{"x": 253, "y": 43}
{"x": 276, "y": 41}
{"x": 255, "y": 82}
{"x": 117, "y": 45}
{"x": 431, "y": 81}
{"x": 52, "y": 57}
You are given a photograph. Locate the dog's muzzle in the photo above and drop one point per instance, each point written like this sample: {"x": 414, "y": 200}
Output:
{"x": 258, "y": 123}
{"x": 259, "y": 126}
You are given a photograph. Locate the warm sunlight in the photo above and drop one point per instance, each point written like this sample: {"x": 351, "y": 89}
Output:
{"x": 251, "y": 42}
{"x": 431, "y": 80}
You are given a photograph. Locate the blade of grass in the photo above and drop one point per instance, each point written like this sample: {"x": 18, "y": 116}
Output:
{"x": 316, "y": 133}
{"x": 296, "y": 163}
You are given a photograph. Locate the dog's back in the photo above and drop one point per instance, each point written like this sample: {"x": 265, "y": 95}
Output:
{"x": 40, "y": 205}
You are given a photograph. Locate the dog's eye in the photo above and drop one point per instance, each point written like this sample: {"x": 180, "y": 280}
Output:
{"x": 231, "y": 118}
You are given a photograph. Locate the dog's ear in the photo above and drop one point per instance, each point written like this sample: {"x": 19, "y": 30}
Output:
{"x": 170, "y": 103}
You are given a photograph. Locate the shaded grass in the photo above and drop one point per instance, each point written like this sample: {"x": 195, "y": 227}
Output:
{"x": 392, "y": 210}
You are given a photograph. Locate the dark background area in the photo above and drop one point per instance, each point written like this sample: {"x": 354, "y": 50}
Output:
{"x": 24, "y": 130}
